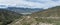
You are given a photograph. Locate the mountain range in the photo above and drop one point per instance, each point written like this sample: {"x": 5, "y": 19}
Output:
{"x": 24, "y": 10}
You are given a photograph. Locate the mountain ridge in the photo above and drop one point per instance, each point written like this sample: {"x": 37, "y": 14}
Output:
{"x": 24, "y": 10}
{"x": 48, "y": 11}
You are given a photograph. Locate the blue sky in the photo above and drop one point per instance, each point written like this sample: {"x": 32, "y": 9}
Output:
{"x": 31, "y": 3}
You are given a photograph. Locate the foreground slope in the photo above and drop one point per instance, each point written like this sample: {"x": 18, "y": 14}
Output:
{"x": 6, "y": 16}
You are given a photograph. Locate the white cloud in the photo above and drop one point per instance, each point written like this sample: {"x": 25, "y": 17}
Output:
{"x": 31, "y": 3}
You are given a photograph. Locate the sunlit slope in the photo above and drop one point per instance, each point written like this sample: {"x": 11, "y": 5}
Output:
{"x": 54, "y": 12}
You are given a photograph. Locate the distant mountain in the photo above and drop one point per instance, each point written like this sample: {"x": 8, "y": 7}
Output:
{"x": 3, "y": 6}
{"x": 6, "y": 16}
{"x": 24, "y": 10}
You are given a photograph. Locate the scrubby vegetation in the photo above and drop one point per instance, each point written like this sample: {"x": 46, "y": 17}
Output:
{"x": 6, "y": 16}
{"x": 49, "y": 16}
{"x": 54, "y": 11}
